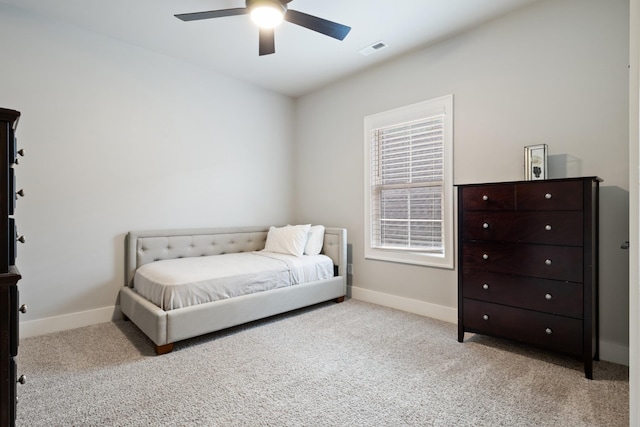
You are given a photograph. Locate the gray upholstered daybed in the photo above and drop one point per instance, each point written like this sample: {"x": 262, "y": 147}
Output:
{"x": 164, "y": 326}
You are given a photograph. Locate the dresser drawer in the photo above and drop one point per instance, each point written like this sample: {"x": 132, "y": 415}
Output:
{"x": 488, "y": 197}
{"x": 551, "y": 228}
{"x": 558, "y": 333}
{"x": 549, "y": 195}
{"x": 549, "y": 296}
{"x": 547, "y": 262}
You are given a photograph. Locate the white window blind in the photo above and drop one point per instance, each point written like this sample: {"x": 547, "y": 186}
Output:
{"x": 407, "y": 166}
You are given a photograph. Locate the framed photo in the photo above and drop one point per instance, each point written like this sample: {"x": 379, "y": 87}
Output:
{"x": 535, "y": 162}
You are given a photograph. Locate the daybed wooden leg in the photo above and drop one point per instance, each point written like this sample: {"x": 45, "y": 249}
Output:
{"x": 339, "y": 299}
{"x": 164, "y": 349}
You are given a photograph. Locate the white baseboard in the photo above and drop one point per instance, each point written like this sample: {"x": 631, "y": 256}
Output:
{"x": 614, "y": 352}
{"x": 422, "y": 308}
{"x": 65, "y": 322}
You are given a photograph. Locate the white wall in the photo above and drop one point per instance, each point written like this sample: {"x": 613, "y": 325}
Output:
{"x": 555, "y": 73}
{"x": 634, "y": 205}
{"x": 118, "y": 138}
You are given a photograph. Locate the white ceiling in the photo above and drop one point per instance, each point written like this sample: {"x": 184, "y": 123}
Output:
{"x": 304, "y": 60}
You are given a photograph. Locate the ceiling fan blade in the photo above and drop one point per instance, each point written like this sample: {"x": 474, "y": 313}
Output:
{"x": 328, "y": 28}
{"x": 267, "y": 41}
{"x": 212, "y": 14}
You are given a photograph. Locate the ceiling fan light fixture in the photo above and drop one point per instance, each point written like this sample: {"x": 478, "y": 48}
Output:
{"x": 267, "y": 13}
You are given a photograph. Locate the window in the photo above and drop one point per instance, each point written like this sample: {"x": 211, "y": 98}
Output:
{"x": 408, "y": 194}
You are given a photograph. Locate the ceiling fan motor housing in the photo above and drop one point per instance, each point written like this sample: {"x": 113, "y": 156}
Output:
{"x": 276, "y": 4}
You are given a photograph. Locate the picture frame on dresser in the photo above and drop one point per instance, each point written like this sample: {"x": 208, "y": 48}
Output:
{"x": 535, "y": 162}
{"x": 528, "y": 264}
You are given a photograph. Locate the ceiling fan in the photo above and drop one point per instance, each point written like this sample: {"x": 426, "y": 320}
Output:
{"x": 268, "y": 14}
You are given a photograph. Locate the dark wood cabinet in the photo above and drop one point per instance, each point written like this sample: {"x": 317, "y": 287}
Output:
{"x": 9, "y": 345}
{"x": 528, "y": 263}
{"x": 9, "y": 274}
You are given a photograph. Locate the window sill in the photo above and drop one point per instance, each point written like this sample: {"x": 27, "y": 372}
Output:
{"x": 414, "y": 258}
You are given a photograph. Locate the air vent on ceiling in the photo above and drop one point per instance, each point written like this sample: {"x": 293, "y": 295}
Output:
{"x": 373, "y": 48}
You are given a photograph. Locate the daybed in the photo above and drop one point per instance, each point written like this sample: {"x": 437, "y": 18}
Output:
{"x": 164, "y": 326}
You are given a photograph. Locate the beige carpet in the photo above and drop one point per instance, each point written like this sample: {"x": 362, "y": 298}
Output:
{"x": 349, "y": 364}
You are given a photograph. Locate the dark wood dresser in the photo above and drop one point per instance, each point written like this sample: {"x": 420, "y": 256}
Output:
{"x": 9, "y": 274}
{"x": 528, "y": 263}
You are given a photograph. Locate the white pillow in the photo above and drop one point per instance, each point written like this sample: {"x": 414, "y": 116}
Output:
{"x": 315, "y": 240}
{"x": 287, "y": 240}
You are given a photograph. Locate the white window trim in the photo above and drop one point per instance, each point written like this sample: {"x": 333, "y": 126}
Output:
{"x": 442, "y": 105}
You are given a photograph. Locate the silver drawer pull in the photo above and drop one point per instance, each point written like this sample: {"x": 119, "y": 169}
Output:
{"x": 23, "y": 308}
{"x": 20, "y": 193}
{"x": 547, "y": 196}
{"x": 548, "y": 261}
{"x": 485, "y": 197}
{"x": 485, "y": 286}
{"x": 485, "y": 225}
{"x": 22, "y": 379}
{"x": 485, "y": 256}
{"x": 485, "y": 317}
{"x": 548, "y": 331}
{"x": 21, "y": 239}
{"x": 547, "y": 227}
{"x": 548, "y": 296}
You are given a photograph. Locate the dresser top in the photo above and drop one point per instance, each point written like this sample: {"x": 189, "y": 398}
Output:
{"x": 585, "y": 178}
{"x": 10, "y": 278}
{"x": 7, "y": 115}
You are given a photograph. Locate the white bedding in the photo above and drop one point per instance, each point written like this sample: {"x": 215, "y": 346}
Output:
{"x": 182, "y": 282}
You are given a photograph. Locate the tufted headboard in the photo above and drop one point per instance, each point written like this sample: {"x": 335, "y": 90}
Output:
{"x": 143, "y": 247}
